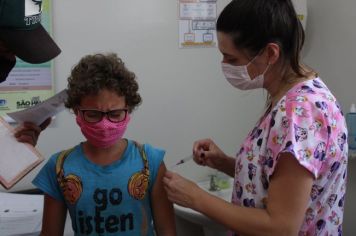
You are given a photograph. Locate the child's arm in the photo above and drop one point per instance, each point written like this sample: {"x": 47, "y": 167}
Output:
{"x": 163, "y": 213}
{"x": 54, "y": 217}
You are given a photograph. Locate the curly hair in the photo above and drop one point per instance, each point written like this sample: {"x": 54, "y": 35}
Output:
{"x": 96, "y": 72}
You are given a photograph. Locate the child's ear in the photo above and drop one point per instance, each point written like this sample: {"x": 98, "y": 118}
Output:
{"x": 75, "y": 110}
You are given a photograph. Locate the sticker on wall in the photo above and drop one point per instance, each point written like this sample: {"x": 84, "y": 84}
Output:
{"x": 197, "y": 23}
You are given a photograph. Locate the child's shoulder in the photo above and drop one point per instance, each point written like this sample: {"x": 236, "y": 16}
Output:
{"x": 151, "y": 151}
{"x": 144, "y": 145}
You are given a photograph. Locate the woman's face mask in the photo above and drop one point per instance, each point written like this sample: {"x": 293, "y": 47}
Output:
{"x": 239, "y": 77}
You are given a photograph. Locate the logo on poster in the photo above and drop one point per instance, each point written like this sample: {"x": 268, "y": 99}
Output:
{"x": 28, "y": 103}
{"x": 3, "y": 105}
{"x": 2, "y": 102}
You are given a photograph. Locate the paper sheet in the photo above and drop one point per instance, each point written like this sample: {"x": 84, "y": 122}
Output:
{"x": 39, "y": 113}
{"x": 20, "y": 214}
{"x": 16, "y": 159}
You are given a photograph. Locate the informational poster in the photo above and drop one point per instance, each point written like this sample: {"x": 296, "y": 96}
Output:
{"x": 197, "y": 23}
{"x": 28, "y": 84}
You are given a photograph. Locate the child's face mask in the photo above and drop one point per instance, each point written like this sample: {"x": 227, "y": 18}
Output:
{"x": 104, "y": 133}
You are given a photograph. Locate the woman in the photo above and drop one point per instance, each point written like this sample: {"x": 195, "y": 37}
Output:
{"x": 289, "y": 175}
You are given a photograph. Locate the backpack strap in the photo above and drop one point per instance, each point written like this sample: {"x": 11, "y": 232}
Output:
{"x": 71, "y": 185}
{"x": 145, "y": 170}
{"x": 139, "y": 181}
{"x": 59, "y": 165}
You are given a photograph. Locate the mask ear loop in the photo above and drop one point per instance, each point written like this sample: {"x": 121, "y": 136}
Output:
{"x": 59, "y": 166}
{"x": 255, "y": 57}
{"x": 252, "y": 59}
{"x": 268, "y": 64}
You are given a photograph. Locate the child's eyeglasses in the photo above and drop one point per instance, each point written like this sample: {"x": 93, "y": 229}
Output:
{"x": 94, "y": 116}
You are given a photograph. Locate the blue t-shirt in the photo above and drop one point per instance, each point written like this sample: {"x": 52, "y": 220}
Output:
{"x": 101, "y": 199}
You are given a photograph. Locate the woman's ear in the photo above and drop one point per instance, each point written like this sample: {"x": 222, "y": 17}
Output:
{"x": 273, "y": 53}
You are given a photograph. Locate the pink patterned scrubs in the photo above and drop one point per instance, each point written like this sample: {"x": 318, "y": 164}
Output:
{"x": 308, "y": 123}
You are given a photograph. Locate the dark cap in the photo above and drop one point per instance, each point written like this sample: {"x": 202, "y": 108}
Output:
{"x": 21, "y": 31}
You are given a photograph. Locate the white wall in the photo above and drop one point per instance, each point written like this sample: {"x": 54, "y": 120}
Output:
{"x": 184, "y": 94}
{"x": 330, "y": 49}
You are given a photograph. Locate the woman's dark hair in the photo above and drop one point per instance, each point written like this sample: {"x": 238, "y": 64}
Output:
{"x": 252, "y": 24}
{"x": 96, "y": 72}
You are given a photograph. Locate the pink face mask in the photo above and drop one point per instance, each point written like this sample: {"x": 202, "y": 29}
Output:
{"x": 104, "y": 133}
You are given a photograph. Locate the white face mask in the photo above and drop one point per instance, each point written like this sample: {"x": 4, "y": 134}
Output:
{"x": 239, "y": 77}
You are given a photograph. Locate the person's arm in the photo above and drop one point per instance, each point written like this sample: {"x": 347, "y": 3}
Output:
{"x": 163, "y": 212}
{"x": 54, "y": 217}
{"x": 29, "y": 132}
{"x": 227, "y": 166}
{"x": 288, "y": 196}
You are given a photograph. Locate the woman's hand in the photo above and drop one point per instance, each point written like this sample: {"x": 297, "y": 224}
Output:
{"x": 28, "y": 132}
{"x": 181, "y": 191}
{"x": 207, "y": 153}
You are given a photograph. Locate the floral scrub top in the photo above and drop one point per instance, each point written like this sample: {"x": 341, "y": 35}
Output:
{"x": 308, "y": 123}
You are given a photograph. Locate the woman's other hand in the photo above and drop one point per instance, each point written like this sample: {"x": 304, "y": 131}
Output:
{"x": 181, "y": 191}
{"x": 28, "y": 132}
{"x": 207, "y": 153}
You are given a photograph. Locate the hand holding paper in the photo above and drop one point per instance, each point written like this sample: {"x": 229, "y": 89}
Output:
{"x": 18, "y": 157}
{"x": 28, "y": 132}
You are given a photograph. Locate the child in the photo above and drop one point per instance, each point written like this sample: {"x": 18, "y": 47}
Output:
{"x": 110, "y": 185}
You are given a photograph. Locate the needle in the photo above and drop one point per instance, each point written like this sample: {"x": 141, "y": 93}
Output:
{"x": 184, "y": 160}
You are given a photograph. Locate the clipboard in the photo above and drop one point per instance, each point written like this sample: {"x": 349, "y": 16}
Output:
{"x": 16, "y": 159}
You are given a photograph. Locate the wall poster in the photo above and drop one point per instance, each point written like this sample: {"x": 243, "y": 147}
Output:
{"x": 197, "y": 20}
{"x": 28, "y": 84}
